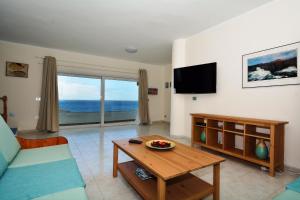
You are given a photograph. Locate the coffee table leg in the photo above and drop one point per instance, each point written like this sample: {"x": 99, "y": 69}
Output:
{"x": 161, "y": 189}
{"x": 115, "y": 161}
{"x": 216, "y": 182}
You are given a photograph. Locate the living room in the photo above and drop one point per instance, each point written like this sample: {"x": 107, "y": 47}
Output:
{"x": 247, "y": 121}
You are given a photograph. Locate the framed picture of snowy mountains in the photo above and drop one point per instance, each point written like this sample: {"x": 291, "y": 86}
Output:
{"x": 272, "y": 67}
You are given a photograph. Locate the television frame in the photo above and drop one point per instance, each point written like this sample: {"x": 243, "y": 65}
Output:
{"x": 197, "y": 92}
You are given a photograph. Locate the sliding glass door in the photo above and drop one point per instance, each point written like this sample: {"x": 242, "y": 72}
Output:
{"x": 121, "y": 100}
{"x": 80, "y": 100}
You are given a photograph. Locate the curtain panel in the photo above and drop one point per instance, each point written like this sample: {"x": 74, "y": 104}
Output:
{"x": 143, "y": 98}
{"x": 48, "y": 114}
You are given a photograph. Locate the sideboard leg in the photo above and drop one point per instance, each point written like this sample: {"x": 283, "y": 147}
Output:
{"x": 272, "y": 151}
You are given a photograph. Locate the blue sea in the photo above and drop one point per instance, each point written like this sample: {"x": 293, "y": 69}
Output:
{"x": 95, "y": 106}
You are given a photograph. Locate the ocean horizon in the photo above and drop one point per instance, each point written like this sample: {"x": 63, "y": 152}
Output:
{"x": 95, "y": 106}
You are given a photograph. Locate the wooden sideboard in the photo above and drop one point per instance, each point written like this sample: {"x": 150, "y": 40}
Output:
{"x": 238, "y": 136}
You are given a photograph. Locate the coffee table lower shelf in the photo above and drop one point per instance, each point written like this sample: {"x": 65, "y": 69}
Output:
{"x": 185, "y": 187}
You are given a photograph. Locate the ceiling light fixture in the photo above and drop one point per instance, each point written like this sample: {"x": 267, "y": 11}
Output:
{"x": 131, "y": 49}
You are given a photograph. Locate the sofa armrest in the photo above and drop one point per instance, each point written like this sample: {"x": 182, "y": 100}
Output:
{"x": 36, "y": 143}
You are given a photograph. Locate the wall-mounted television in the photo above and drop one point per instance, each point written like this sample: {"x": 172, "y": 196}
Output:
{"x": 197, "y": 79}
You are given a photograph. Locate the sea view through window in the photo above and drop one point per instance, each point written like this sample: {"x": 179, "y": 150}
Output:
{"x": 80, "y": 100}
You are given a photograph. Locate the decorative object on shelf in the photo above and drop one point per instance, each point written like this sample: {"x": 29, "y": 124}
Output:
{"x": 220, "y": 124}
{"x": 203, "y": 137}
{"x": 261, "y": 150}
{"x": 152, "y": 91}
{"x": 272, "y": 67}
{"x": 220, "y": 137}
{"x": 16, "y": 69}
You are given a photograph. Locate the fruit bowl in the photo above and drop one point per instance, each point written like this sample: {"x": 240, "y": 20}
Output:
{"x": 160, "y": 144}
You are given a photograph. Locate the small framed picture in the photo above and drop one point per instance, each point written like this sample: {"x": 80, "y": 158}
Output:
{"x": 17, "y": 69}
{"x": 152, "y": 91}
{"x": 272, "y": 67}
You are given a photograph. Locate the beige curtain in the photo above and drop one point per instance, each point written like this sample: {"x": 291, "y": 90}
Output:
{"x": 143, "y": 97}
{"x": 48, "y": 115}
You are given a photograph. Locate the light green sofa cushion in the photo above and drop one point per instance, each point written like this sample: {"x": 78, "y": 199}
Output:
{"x": 9, "y": 146}
{"x": 74, "y": 194}
{"x": 29, "y": 182}
{"x": 41, "y": 155}
{"x": 3, "y": 164}
{"x": 288, "y": 195}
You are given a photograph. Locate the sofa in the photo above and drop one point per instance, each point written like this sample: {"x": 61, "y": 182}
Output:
{"x": 41, "y": 169}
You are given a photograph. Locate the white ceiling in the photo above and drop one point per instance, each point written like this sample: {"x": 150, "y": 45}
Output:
{"x": 107, "y": 27}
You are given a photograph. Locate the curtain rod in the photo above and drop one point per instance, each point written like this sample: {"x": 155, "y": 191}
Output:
{"x": 97, "y": 69}
{"x": 95, "y": 66}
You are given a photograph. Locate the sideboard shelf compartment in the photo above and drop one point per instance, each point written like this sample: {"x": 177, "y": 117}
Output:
{"x": 262, "y": 132}
{"x": 230, "y": 143}
{"x": 212, "y": 138}
{"x": 238, "y": 137}
{"x": 234, "y": 127}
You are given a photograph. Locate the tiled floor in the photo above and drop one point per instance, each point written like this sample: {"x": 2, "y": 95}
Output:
{"x": 92, "y": 148}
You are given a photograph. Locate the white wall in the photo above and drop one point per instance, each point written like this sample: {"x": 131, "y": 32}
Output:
{"x": 178, "y": 127}
{"x": 167, "y": 93}
{"x": 22, "y": 92}
{"x": 271, "y": 25}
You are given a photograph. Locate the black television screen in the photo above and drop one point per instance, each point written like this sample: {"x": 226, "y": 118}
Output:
{"x": 197, "y": 79}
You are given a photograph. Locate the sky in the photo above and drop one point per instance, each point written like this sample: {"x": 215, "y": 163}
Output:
{"x": 82, "y": 88}
{"x": 272, "y": 57}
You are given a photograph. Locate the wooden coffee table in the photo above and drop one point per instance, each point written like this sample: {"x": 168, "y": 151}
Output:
{"x": 171, "y": 168}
